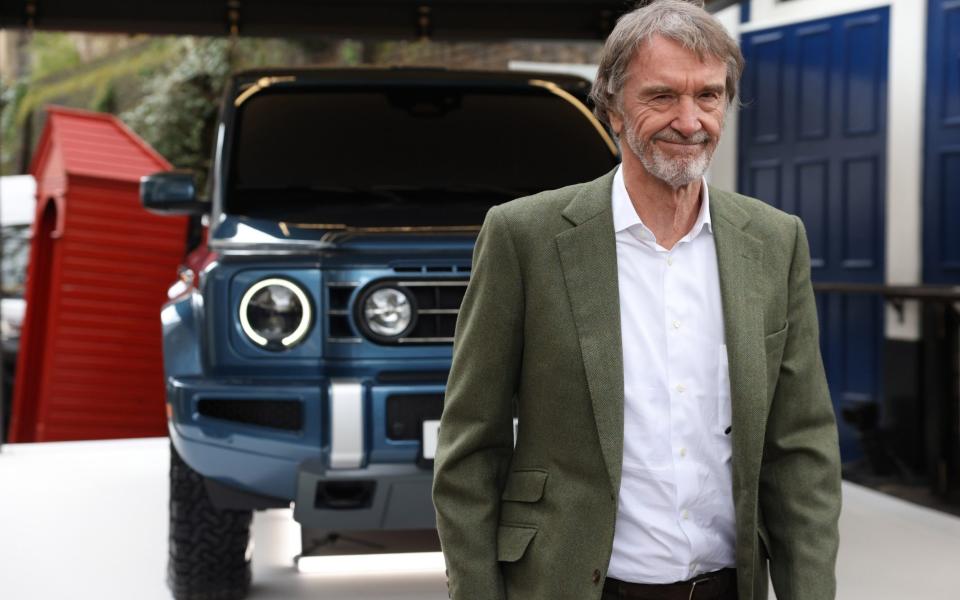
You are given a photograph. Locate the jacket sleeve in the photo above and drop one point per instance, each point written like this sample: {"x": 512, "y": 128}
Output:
{"x": 476, "y": 430}
{"x": 800, "y": 492}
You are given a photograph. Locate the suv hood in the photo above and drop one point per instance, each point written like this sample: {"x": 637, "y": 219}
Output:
{"x": 246, "y": 235}
{"x": 311, "y": 156}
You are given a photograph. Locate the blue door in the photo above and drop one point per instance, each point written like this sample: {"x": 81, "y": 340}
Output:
{"x": 941, "y": 227}
{"x": 813, "y": 143}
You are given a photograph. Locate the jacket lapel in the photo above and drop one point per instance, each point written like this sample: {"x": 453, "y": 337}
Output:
{"x": 588, "y": 257}
{"x": 740, "y": 261}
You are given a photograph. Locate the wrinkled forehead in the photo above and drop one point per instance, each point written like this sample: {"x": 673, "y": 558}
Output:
{"x": 666, "y": 60}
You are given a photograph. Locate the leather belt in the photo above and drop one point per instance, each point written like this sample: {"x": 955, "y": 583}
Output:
{"x": 718, "y": 585}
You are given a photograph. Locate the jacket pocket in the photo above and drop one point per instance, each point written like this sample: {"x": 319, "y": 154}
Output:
{"x": 525, "y": 486}
{"x": 764, "y": 542}
{"x": 774, "y": 342}
{"x": 512, "y": 542}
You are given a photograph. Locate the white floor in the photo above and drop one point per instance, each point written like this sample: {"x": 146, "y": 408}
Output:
{"x": 87, "y": 520}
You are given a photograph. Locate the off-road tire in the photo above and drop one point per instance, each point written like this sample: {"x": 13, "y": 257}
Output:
{"x": 208, "y": 547}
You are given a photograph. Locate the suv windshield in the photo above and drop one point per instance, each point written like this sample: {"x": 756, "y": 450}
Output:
{"x": 405, "y": 155}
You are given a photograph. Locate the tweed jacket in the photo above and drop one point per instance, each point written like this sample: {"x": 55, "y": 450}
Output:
{"x": 538, "y": 338}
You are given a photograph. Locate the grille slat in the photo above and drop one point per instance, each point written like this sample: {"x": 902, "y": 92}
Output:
{"x": 455, "y": 283}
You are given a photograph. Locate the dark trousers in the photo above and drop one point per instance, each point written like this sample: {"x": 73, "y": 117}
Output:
{"x": 719, "y": 585}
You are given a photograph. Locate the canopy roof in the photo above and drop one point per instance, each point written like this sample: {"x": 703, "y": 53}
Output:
{"x": 438, "y": 19}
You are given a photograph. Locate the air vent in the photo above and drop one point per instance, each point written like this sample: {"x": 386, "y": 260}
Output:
{"x": 412, "y": 376}
{"x": 405, "y": 413}
{"x": 276, "y": 414}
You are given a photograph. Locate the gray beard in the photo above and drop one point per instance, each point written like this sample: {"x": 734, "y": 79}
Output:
{"x": 675, "y": 172}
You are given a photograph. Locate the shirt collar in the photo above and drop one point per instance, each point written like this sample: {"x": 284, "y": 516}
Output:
{"x": 625, "y": 215}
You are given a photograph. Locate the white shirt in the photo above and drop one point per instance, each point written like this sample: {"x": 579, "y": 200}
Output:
{"x": 675, "y": 518}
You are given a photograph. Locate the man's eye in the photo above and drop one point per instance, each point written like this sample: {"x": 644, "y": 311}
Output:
{"x": 662, "y": 98}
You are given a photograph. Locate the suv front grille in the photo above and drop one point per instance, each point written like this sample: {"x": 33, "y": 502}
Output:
{"x": 437, "y": 303}
{"x": 338, "y": 311}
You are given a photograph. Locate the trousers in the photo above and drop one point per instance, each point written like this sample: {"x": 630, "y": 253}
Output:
{"x": 718, "y": 585}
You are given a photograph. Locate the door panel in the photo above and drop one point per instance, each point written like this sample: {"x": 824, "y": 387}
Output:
{"x": 941, "y": 243}
{"x": 813, "y": 143}
{"x": 813, "y": 63}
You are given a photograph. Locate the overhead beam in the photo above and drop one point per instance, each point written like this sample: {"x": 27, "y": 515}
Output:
{"x": 393, "y": 19}
{"x": 438, "y": 19}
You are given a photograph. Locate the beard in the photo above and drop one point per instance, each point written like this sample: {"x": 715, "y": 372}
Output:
{"x": 675, "y": 171}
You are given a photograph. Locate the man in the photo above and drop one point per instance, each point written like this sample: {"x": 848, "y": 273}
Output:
{"x": 658, "y": 342}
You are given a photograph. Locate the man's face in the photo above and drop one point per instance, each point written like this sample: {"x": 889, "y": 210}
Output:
{"x": 671, "y": 110}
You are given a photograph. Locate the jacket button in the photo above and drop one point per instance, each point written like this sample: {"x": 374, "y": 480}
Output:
{"x": 596, "y": 576}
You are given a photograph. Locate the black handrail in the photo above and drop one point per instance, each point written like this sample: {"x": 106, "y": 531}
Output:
{"x": 942, "y": 293}
{"x": 936, "y": 397}
{"x": 896, "y": 295}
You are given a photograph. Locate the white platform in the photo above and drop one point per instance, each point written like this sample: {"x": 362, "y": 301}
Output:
{"x": 88, "y": 520}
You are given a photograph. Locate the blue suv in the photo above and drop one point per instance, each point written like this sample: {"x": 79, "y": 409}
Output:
{"x": 308, "y": 338}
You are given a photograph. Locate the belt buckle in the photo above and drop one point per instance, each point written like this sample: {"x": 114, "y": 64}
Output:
{"x": 695, "y": 582}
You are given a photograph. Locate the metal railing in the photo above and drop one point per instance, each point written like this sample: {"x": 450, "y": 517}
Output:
{"x": 930, "y": 434}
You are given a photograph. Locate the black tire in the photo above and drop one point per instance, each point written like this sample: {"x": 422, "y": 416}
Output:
{"x": 208, "y": 547}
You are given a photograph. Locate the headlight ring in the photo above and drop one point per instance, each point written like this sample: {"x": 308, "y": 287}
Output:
{"x": 275, "y": 313}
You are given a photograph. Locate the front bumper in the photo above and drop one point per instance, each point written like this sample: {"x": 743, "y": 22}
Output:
{"x": 377, "y": 497}
{"x": 341, "y": 445}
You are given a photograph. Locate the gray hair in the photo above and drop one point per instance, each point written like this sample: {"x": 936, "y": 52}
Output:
{"x": 683, "y": 21}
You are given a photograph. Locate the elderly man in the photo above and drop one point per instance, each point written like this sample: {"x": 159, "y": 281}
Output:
{"x": 658, "y": 342}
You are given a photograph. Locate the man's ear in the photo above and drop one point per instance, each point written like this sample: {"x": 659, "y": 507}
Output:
{"x": 616, "y": 122}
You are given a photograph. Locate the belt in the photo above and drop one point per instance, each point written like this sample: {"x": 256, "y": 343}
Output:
{"x": 718, "y": 585}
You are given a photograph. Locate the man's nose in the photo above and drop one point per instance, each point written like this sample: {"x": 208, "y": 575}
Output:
{"x": 687, "y": 120}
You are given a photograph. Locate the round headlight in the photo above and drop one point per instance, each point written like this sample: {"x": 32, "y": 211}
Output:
{"x": 275, "y": 313}
{"x": 387, "y": 312}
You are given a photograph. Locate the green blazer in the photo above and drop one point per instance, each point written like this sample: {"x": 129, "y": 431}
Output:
{"x": 539, "y": 337}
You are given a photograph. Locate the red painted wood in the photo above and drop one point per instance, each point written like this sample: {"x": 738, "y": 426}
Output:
{"x": 90, "y": 364}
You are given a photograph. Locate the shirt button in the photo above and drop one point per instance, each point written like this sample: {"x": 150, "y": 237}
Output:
{"x": 669, "y": 261}
{"x": 683, "y": 452}
{"x": 676, "y": 324}
{"x": 686, "y": 515}
{"x": 681, "y": 388}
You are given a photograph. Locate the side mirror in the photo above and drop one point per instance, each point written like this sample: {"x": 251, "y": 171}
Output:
{"x": 171, "y": 193}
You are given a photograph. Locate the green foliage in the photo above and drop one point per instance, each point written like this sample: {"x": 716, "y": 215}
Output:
{"x": 11, "y": 96}
{"x": 166, "y": 89}
{"x": 351, "y": 53}
{"x": 106, "y": 98}
{"x": 84, "y": 82}
{"x": 178, "y": 113}
{"x": 52, "y": 53}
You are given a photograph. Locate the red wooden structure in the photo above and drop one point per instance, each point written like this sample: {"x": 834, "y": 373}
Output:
{"x": 90, "y": 363}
